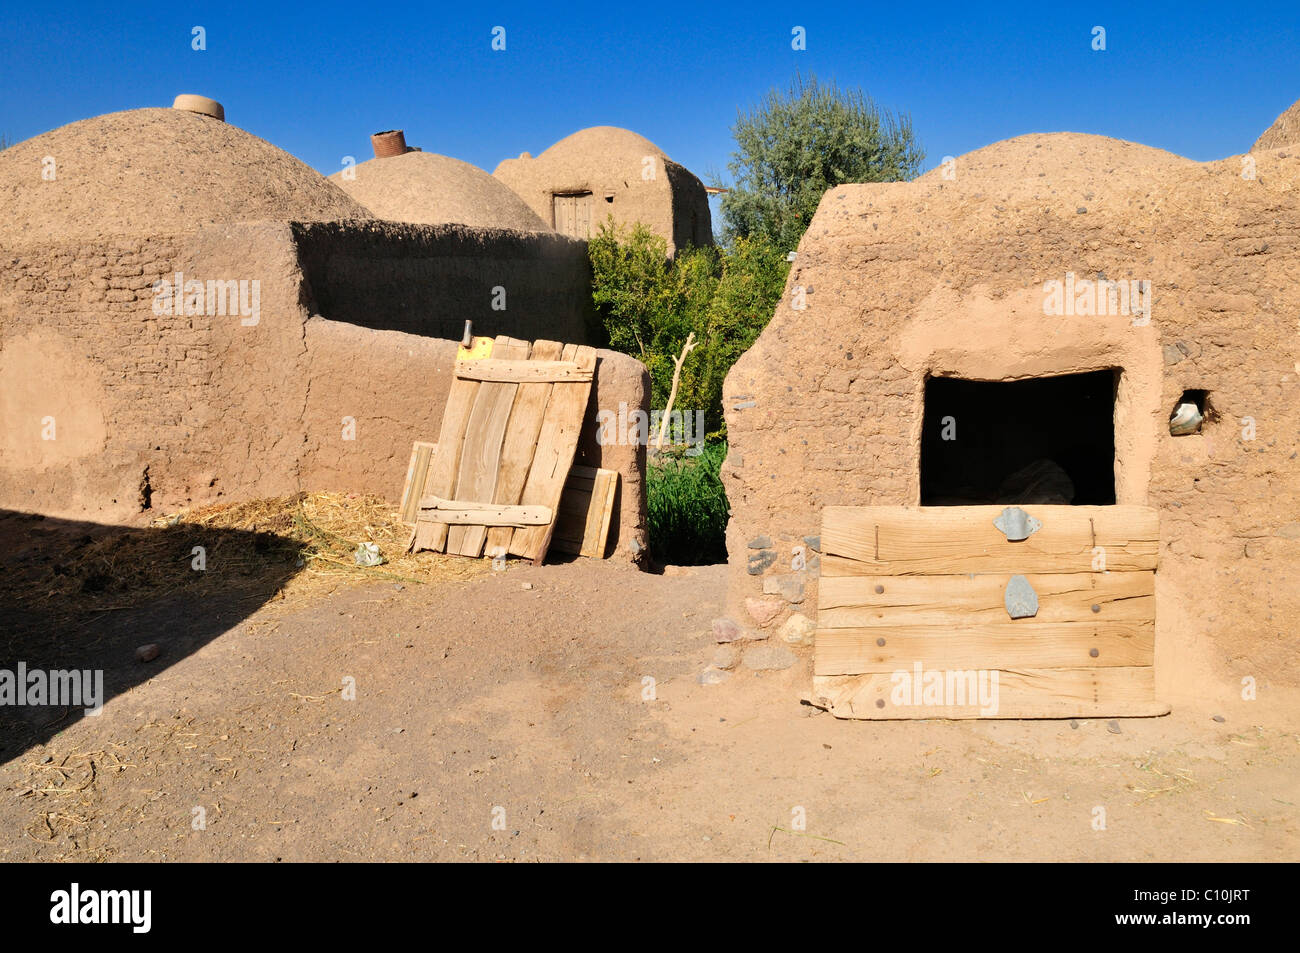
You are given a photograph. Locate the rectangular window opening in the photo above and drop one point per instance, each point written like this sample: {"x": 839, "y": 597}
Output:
{"x": 1041, "y": 440}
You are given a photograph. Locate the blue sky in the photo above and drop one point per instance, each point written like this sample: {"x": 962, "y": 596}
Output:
{"x": 1202, "y": 80}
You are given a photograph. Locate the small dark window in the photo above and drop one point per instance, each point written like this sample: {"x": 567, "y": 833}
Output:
{"x": 1192, "y": 410}
{"x": 1042, "y": 440}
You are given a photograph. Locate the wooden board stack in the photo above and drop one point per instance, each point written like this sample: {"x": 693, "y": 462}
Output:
{"x": 494, "y": 481}
{"x": 921, "y": 590}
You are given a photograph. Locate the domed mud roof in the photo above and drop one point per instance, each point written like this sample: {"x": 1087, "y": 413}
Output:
{"x": 430, "y": 189}
{"x": 152, "y": 171}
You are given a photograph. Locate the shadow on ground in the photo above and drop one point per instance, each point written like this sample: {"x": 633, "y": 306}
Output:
{"x": 84, "y": 596}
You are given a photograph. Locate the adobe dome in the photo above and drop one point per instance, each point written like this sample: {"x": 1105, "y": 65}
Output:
{"x": 1060, "y": 182}
{"x": 1285, "y": 130}
{"x": 602, "y": 141}
{"x": 1036, "y": 163}
{"x": 147, "y": 171}
{"x": 430, "y": 189}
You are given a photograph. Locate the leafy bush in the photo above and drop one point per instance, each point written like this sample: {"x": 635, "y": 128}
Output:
{"x": 648, "y": 304}
{"x": 687, "y": 507}
{"x": 744, "y": 300}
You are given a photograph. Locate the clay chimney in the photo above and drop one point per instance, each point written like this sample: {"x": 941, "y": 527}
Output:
{"x": 201, "y": 105}
{"x": 389, "y": 143}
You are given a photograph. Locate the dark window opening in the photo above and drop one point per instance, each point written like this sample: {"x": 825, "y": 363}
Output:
{"x": 1042, "y": 440}
{"x": 1192, "y": 410}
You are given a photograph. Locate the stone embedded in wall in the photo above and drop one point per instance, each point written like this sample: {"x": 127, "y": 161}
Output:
{"x": 761, "y": 542}
{"x": 727, "y": 630}
{"x": 789, "y": 586}
{"x": 726, "y": 657}
{"x": 768, "y": 657}
{"x": 763, "y": 611}
{"x": 760, "y": 561}
{"x": 798, "y": 630}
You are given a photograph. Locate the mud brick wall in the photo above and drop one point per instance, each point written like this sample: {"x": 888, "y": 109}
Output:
{"x": 428, "y": 279}
{"x": 79, "y": 343}
{"x": 154, "y": 413}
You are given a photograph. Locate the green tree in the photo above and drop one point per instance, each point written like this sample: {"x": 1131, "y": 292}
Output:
{"x": 797, "y": 144}
{"x": 648, "y": 304}
{"x": 743, "y": 301}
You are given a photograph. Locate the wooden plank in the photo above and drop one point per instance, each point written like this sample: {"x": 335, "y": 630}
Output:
{"x": 556, "y": 444}
{"x": 416, "y": 472}
{"x": 521, "y": 443}
{"x": 1007, "y": 645}
{"x": 900, "y": 540}
{"x": 582, "y": 216}
{"x": 965, "y": 601}
{"x": 484, "y": 435}
{"x": 443, "y": 469}
{"x": 1020, "y": 693}
{"x": 522, "y": 372}
{"x": 562, "y": 207}
{"x": 464, "y": 512}
{"x": 586, "y": 509}
{"x": 602, "y": 495}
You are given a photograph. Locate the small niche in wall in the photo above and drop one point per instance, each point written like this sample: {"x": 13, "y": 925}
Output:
{"x": 1190, "y": 414}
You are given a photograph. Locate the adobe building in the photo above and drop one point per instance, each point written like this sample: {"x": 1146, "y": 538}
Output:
{"x": 579, "y": 182}
{"x": 190, "y": 314}
{"x": 1053, "y": 319}
{"x": 429, "y": 189}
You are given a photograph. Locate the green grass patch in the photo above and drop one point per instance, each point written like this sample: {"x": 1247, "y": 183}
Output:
{"x": 687, "y": 507}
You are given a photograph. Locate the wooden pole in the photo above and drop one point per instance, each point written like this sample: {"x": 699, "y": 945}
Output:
{"x": 672, "y": 394}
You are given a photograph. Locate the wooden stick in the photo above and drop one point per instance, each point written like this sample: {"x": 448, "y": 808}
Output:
{"x": 672, "y": 394}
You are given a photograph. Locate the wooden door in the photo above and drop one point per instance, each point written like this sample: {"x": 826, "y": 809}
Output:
{"x": 509, "y": 433}
{"x": 572, "y": 213}
{"x": 924, "y": 612}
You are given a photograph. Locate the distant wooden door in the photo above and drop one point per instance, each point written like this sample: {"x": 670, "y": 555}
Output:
{"x": 573, "y": 214}
{"x": 917, "y": 604}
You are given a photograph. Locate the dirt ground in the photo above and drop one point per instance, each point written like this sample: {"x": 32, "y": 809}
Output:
{"x": 505, "y": 717}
